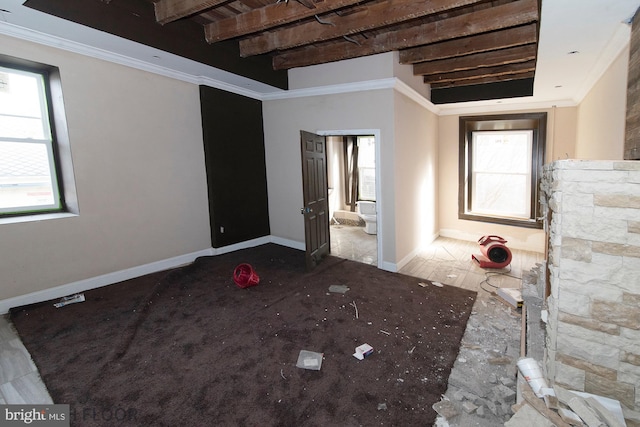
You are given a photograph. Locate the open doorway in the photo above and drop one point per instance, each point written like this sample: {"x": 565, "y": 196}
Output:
{"x": 353, "y": 197}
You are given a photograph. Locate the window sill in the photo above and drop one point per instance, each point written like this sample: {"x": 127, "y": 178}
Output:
{"x": 38, "y": 217}
{"x": 524, "y": 223}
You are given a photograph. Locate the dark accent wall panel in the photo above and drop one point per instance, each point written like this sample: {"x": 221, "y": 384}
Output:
{"x": 632, "y": 140}
{"x": 236, "y": 169}
{"x": 480, "y": 92}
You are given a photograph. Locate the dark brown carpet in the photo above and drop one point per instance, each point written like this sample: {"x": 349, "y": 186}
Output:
{"x": 189, "y": 347}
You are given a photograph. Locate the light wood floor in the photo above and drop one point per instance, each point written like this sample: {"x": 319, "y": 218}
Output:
{"x": 447, "y": 261}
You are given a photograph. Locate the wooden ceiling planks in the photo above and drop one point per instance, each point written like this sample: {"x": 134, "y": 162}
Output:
{"x": 448, "y": 42}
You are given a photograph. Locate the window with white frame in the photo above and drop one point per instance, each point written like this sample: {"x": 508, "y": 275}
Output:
{"x": 366, "y": 168}
{"x": 501, "y": 159}
{"x": 30, "y": 167}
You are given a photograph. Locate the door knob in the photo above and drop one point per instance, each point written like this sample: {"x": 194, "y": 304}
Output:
{"x": 305, "y": 210}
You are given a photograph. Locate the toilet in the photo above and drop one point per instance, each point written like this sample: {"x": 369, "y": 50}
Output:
{"x": 367, "y": 211}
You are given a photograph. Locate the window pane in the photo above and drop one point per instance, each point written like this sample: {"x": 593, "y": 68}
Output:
{"x": 500, "y": 159}
{"x": 366, "y": 152}
{"x": 28, "y": 181}
{"x": 501, "y": 166}
{"x": 21, "y": 127}
{"x": 501, "y": 194}
{"x": 502, "y": 151}
{"x": 366, "y": 168}
{"x": 22, "y": 105}
{"x": 367, "y": 183}
{"x": 25, "y": 176}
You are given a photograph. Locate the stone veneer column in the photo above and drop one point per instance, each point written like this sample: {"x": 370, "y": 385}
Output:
{"x": 593, "y": 329}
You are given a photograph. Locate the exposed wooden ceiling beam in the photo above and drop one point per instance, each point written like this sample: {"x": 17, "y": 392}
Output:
{"x": 329, "y": 27}
{"x": 474, "y": 76}
{"x": 477, "y": 60}
{"x": 510, "y": 37}
{"x": 172, "y": 10}
{"x": 268, "y": 17}
{"x": 508, "y": 15}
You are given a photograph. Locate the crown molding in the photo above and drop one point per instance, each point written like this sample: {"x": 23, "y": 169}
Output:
{"x": 336, "y": 89}
{"x": 408, "y": 91}
{"x": 617, "y": 44}
{"x": 498, "y": 106}
{"x": 378, "y": 84}
{"x": 34, "y": 36}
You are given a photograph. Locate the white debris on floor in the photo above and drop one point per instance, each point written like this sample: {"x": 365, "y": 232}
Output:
{"x": 485, "y": 387}
{"x": 482, "y": 384}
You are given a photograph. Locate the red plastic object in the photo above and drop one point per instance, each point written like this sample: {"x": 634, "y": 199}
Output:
{"x": 494, "y": 252}
{"x": 244, "y": 276}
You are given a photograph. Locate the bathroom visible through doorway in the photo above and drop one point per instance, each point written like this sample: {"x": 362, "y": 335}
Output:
{"x": 352, "y": 179}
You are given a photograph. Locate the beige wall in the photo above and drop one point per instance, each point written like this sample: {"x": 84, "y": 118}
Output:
{"x": 335, "y": 174}
{"x": 136, "y": 143}
{"x": 283, "y": 121}
{"x": 404, "y": 72}
{"x": 407, "y": 163}
{"x": 372, "y": 67}
{"x": 602, "y": 114}
{"x": 561, "y": 125}
{"x": 140, "y": 176}
{"x": 416, "y": 177}
{"x": 594, "y": 130}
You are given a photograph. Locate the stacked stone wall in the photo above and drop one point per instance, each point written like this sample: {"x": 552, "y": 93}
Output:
{"x": 593, "y": 327}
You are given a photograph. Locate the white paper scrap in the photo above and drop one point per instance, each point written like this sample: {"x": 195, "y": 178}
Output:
{"x": 363, "y": 351}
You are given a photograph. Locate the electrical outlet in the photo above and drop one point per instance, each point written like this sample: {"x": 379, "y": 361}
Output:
{"x": 221, "y": 229}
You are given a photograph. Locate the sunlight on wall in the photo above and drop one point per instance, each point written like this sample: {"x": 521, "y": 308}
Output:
{"x": 426, "y": 197}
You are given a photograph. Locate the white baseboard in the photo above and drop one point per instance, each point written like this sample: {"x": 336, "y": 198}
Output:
{"x": 130, "y": 273}
{"x": 242, "y": 245}
{"x": 533, "y": 243}
{"x": 404, "y": 261}
{"x": 388, "y": 266}
{"x": 99, "y": 281}
{"x": 288, "y": 243}
{"x": 394, "y": 268}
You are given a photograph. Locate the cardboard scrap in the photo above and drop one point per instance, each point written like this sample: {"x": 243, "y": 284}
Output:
{"x": 309, "y": 360}
{"x": 588, "y": 415}
{"x": 340, "y": 289}
{"x": 527, "y": 416}
{"x": 607, "y": 410}
{"x": 608, "y": 416}
{"x": 363, "y": 351}
{"x": 549, "y": 397}
{"x": 538, "y": 405}
{"x": 566, "y": 408}
{"x": 563, "y": 395}
{"x": 73, "y": 299}
{"x": 512, "y": 296}
{"x": 570, "y": 417}
{"x": 613, "y": 406}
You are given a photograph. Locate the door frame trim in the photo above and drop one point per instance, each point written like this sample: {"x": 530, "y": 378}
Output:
{"x": 379, "y": 209}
